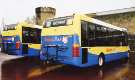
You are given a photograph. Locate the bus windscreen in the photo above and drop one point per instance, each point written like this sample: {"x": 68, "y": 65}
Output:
{"x": 31, "y": 35}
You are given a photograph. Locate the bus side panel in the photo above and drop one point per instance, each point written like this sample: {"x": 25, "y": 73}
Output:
{"x": 33, "y": 52}
{"x": 116, "y": 56}
{"x": 93, "y": 59}
{"x": 77, "y": 61}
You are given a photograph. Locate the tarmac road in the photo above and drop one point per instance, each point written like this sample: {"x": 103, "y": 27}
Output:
{"x": 31, "y": 69}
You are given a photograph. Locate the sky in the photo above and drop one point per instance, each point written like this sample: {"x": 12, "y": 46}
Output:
{"x": 13, "y": 11}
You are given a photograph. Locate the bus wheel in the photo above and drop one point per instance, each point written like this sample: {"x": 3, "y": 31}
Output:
{"x": 101, "y": 60}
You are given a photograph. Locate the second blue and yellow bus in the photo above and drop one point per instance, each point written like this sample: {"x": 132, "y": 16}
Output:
{"x": 21, "y": 39}
{"x": 82, "y": 41}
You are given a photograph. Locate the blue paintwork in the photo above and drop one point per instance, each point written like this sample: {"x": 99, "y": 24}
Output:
{"x": 56, "y": 40}
{"x": 93, "y": 59}
{"x": 66, "y": 56}
{"x": 33, "y": 52}
{"x": 116, "y": 56}
{"x": 10, "y": 47}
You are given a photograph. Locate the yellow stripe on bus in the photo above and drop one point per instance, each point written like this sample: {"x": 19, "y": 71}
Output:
{"x": 108, "y": 50}
{"x": 35, "y": 46}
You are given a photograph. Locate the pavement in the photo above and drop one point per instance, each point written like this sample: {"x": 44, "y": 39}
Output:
{"x": 4, "y": 57}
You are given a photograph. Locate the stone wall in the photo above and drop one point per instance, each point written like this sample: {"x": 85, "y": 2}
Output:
{"x": 126, "y": 20}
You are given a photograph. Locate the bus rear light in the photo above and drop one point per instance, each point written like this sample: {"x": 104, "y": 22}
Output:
{"x": 18, "y": 44}
{"x": 75, "y": 50}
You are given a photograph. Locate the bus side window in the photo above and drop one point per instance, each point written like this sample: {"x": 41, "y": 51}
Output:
{"x": 91, "y": 30}
{"x": 97, "y": 30}
{"x": 98, "y": 33}
{"x": 91, "y": 34}
{"x": 124, "y": 39}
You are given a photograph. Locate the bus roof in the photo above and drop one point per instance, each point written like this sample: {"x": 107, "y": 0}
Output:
{"x": 14, "y": 29}
{"x": 92, "y": 20}
{"x": 25, "y": 24}
{"x": 37, "y": 26}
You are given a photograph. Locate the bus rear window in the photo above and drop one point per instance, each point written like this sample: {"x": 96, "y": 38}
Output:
{"x": 62, "y": 21}
{"x": 31, "y": 35}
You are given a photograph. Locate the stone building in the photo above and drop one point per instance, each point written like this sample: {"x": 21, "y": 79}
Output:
{"x": 43, "y": 13}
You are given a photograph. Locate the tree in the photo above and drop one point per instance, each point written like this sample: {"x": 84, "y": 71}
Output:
{"x": 31, "y": 20}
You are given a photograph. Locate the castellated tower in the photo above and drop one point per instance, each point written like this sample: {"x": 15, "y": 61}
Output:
{"x": 44, "y": 13}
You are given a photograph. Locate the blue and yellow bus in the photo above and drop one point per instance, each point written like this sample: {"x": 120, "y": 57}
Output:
{"x": 82, "y": 41}
{"x": 21, "y": 39}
